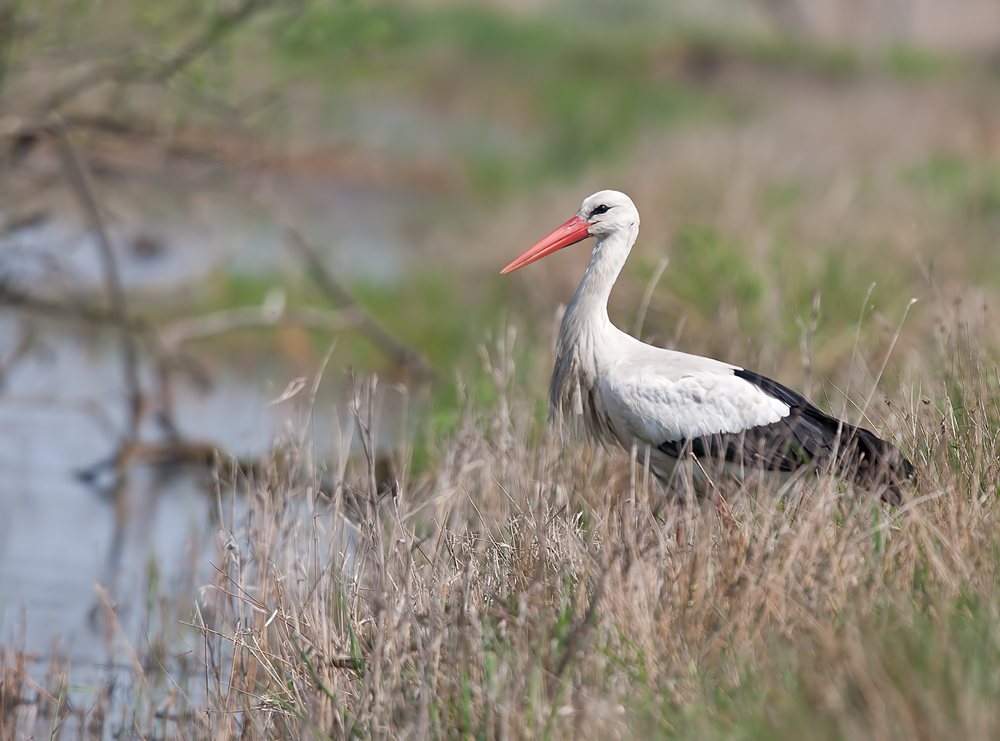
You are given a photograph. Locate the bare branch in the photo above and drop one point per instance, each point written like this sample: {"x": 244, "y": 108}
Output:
{"x": 9, "y": 30}
{"x": 137, "y": 70}
{"x": 77, "y": 310}
{"x": 219, "y": 27}
{"x": 342, "y": 298}
{"x": 18, "y": 353}
{"x": 79, "y": 179}
{"x": 250, "y": 317}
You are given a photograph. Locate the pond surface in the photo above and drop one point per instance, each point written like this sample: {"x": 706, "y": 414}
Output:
{"x": 62, "y": 406}
{"x": 57, "y": 533}
{"x": 170, "y": 235}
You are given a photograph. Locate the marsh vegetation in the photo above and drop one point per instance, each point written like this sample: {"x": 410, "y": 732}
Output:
{"x": 309, "y": 202}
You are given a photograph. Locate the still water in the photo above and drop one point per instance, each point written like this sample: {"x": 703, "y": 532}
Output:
{"x": 57, "y": 534}
{"x": 63, "y": 542}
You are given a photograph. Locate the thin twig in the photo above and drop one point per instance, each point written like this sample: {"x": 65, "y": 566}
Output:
{"x": 219, "y": 27}
{"x": 79, "y": 178}
{"x": 342, "y": 298}
{"x": 807, "y": 345}
{"x": 10, "y": 30}
{"x": 648, "y": 295}
{"x": 250, "y": 317}
{"x": 885, "y": 360}
{"x": 18, "y": 353}
{"x": 79, "y": 310}
{"x": 576, "y": 638}
{"x": 136, "y": 70}
{"x": 99, "y": 316}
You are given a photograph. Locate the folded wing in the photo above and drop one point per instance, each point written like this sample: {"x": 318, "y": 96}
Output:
{"x": 751, "y": 421}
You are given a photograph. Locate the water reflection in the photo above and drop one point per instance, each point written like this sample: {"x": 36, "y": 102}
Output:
{"x": 59, "y": 537}
{"x": 171, "y": 233}
{"x": 99, "y": 572}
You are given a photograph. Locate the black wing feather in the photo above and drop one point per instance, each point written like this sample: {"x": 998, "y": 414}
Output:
{"x": 807, "y": 438}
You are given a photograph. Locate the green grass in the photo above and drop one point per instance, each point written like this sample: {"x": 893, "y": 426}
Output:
{"x": 525, "y": 585}
{"x": 914, "y": 63}
{"x": 472, "y": 613}
{"x": 444, "y": 320}
{"x": 510, "y": 101}
{"x": 931, "y": 664}
{"x": 969, "y": 186}
{"x": 429, "y": 311}
{"x": 710, "y": 269}
{"x": 562, "y": 95}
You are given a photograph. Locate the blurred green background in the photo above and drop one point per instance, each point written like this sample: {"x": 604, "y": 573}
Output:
{"x": 789, "y": 159}
{"x": 806, "y": 169}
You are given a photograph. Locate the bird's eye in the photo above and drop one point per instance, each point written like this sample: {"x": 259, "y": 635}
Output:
{"x": 600, "y": 210}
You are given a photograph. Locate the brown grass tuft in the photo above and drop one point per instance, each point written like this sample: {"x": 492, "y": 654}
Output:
{"x": 534, "y": 587}
{"x": 537, "y": 590}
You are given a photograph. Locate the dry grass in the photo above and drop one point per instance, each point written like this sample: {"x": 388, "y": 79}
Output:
{"x": 533, "y": 587}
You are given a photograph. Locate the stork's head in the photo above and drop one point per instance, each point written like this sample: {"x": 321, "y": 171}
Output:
{"x": 606, "y": 212}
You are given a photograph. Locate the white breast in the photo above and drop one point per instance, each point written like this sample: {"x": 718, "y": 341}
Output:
{"x": 652, "y": 396}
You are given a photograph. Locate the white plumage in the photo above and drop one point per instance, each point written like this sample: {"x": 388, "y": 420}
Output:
{"x": 680, "y": 405}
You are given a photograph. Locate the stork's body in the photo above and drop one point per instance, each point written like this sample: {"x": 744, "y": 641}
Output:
{"x": 678, "y": 405}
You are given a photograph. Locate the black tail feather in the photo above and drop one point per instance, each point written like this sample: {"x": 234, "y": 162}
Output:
{"x": 807, "y": 438}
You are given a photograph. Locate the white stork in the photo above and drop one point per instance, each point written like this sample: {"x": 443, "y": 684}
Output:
{"x": 677, "y": 405}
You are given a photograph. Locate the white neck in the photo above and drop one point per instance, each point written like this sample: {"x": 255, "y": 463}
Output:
{"x": 589, "y": 307}
{"x": 586, "y": 330}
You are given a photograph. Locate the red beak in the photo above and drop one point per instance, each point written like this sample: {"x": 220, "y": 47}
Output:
{"x": 573, "y": 231}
